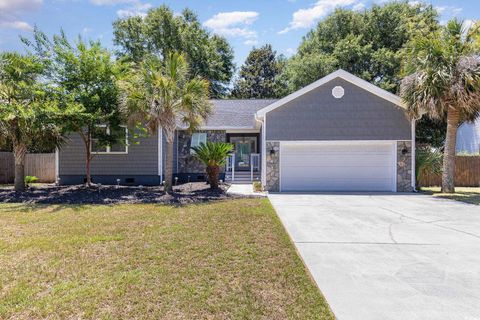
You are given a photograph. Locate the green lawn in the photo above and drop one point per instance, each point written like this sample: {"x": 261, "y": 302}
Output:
{"x": 225, "y": 260}
{"x": 468, "y": 195}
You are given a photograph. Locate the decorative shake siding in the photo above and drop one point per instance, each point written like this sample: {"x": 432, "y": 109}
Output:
{"x": 404, "y": 166}
{"x": 358, "y": 115}
{"x": 273, "y": 166}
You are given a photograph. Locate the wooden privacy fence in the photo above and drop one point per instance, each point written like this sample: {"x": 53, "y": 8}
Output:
{"x": 40, "y": 165}
{"x": 467, "y": 173}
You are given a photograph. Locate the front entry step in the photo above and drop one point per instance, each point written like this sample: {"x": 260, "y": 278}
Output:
{"x": 242, "y": 177}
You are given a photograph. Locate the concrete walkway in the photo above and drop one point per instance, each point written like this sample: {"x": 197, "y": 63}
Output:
{"x": 245, "y": 190}
{"x": 390, "y": 256}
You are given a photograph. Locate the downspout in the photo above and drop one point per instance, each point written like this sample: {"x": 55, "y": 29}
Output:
{"x": 263, "y": 146}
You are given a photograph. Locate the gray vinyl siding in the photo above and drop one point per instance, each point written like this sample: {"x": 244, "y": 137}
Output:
{"x": 358, "y": 115}
{"x": 140, "y": 160}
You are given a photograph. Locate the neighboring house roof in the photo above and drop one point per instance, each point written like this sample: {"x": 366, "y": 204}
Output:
{"x": 337, "y": 74}
{"x": 235, "y": 114}
{"x": 468, "y": 137}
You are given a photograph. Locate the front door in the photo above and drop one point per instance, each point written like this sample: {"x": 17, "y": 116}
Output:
{"x": 244, "y": 147}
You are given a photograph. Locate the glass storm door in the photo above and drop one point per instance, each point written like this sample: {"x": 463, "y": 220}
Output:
{"x": 244, "y": 146}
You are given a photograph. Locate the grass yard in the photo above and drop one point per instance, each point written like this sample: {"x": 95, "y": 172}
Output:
{"x": 223, "y": 260}
{"x": 468, "y": 195}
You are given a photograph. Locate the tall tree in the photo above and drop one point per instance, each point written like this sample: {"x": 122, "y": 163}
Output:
{"x": 370, "y": 44}
{"x": 163, "y": 94}
{"x": 444, "y": 82}
{"x": 85, "y": 76}
{"x": 161, "y": 32}
{"x": 27, "y": 116}
{"x": 260, "y": 75}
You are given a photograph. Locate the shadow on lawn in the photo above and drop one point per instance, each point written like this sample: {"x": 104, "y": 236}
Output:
{"x": 467, "y": 195}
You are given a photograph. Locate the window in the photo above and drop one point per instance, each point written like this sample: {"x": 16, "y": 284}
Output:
{"x": 197, "y": 139}
{"x": 119, "y": 146}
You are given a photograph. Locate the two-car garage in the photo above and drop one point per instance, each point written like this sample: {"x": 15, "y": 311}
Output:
{"x": 338, "y": 166}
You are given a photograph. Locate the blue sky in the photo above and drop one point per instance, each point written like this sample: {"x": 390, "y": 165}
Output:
{"x": 245, "y": 23}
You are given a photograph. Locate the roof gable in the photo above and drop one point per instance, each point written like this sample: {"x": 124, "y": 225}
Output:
{"x": 337, "y": 74}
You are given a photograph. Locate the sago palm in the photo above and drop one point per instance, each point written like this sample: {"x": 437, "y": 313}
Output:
{"x": 444, "y": 82}
{"x": 214, "y": 156}
{"x": 163, "y": 95}
{"x": 26, "y": 116}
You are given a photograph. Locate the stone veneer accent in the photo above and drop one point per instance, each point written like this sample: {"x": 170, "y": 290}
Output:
{"x": 187, "y": 163}
{"x": 404, "y": 167}
{"x": 273, "y": 166}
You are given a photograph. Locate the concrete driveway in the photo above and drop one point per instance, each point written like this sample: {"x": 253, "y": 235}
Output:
{"x": 388, "y": 256}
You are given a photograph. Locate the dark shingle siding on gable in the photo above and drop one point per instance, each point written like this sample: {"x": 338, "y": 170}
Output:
{"x": 358, "y": 115}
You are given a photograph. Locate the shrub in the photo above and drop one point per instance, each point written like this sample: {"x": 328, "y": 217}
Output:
{"x": 428, "y": 161}
{"x": 257, "y": 186}
{"x": 213, "y": 155}
{"x": 30, "y": 179}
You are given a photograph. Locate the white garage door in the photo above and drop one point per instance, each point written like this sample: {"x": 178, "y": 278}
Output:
{"x": 337, "y": 166}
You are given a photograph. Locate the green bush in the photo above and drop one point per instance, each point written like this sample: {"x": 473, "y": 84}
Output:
{"x": 257, "y": 186}
{"x": 428, "y": 161}
{"x": 30, "y": 179}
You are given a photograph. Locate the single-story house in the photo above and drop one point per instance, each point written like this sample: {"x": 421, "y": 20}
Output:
{"x": 339, "y": 133}
{"x": 468, "y": 138}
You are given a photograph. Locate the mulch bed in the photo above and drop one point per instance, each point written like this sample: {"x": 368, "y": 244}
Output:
{"x": 101, "y": 194}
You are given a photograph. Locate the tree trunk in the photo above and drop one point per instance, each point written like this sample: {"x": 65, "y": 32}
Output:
{"x": 212, "y": 172}
{"x": 448, "y": 175}
{"x": 169, "y": 166}
{"x": 19, "y": 153}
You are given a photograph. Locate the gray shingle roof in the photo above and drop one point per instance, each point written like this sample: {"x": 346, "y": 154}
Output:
{"x": 236, "y": 113}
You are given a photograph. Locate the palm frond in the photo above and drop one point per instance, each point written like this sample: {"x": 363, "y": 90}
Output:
{"x": 213, "y": 153}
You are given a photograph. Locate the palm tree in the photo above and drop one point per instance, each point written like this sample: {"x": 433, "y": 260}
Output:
{"x": 428, "y": 160}
{"x": 162, "y": 94}
{"x": 26, "y": 116}
{"x": 213, "y": 155}
{"x": 444, "y": 82}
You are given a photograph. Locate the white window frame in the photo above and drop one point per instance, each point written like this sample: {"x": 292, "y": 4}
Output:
{"x": 108, "y": 148}
{"x": 202, "y": 138}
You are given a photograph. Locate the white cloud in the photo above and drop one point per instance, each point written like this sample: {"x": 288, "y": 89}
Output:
{"x": 134, "y": 8}
{"x": 359, "y": 6}
{"x": 138, "y": 9}
{"x": 19, "y": 6}
{"x": 233, "y": 24}
{"x": 305, "y": 18}
{"x": 110, "y": 2}
{"x": 19, "y": 25}
{"x": 11, "y": 10}
{"x": 250, "y": 42}
{"x": 450, "y": 10}
{"x": 290, "y": 52}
